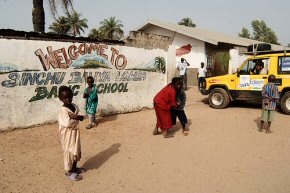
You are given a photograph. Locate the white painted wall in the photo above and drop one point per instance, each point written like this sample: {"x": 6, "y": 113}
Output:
{"x": 194, "y": 57}
{"x": 19, "y": 106}
{"x": 236, "y": 60}
{"x": 197, "y": 54}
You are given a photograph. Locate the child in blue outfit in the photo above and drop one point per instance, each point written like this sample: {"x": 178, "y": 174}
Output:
{"x": 179, "y": 112}
{"x": 270, "y": 96}
{"x": 91, "y": 96}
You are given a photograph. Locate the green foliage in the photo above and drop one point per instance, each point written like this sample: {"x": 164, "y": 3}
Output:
{"x": 94, "y": 64}
{"x": 245, "y": 33}
{"x": 221, "y": 64}
{"x": 160, "y": 64}
{"x": 261, "y": 32}
{"x": 69, "y": 25}
{"x": 76, "y": 23}
{"x": 112, "y": 29}
{"x": 60, "y": 26}
{"x": 38, "y": 14}
{"x": 96, "y": 34}
{"x": 187, "y": 22}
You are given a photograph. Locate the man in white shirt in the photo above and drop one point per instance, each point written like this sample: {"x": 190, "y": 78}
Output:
{"x": 182, "y": 67}
{"x": 263, "y": 70}
{"x": 201, "y": 75}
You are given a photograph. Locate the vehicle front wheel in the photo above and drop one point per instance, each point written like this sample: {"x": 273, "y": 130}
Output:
{"x": 219, "y": 98}
{"x": 285, "y": 103}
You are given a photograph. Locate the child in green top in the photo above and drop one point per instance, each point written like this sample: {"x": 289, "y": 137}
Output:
{"x": 91, "y": 96}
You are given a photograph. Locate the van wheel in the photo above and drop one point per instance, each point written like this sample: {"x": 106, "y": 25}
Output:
{"x": 219, "y": 98}
{"x": 285, "y": 103}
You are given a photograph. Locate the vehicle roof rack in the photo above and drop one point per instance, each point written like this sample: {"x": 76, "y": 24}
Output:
{"x": 266, "y": 52}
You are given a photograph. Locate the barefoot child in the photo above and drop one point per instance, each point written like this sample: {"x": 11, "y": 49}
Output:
{"x": 270, "y": 96}
{"x": 91, "y": 96}
{"x": 163, "y": 102}
{"x": 179, "y": 112}
{"x": 70, "y": 134}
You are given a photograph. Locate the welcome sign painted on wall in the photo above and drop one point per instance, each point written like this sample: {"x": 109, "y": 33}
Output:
{"x": 127, "y": 78}
{"x": 84, "y": 57}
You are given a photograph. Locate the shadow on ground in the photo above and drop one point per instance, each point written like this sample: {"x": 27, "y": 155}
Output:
{"x": 99, "y": 159}
{"x": 107, "y": 118}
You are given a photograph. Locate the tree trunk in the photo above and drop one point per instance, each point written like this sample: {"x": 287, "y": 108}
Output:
{"x": 38, "y": 17}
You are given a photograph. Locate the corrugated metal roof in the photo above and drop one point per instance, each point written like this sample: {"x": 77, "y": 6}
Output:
{"x": 204, "y": 35}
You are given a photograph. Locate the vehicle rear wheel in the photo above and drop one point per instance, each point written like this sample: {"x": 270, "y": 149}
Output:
{"x": 219, "y": 98}
{"x": 285, "y": 103}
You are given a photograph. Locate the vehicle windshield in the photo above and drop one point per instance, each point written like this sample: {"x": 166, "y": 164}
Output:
{"x": 254, "y": 67}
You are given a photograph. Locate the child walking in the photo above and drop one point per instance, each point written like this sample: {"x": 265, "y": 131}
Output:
{"x": 270, "y": 96}
{"x": 179, "y": 112}
{"x": 91, "y": 96}
{"x": 70, "y": 134}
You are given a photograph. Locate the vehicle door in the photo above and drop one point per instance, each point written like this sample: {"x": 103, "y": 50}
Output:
{"x": 250, "y": 80}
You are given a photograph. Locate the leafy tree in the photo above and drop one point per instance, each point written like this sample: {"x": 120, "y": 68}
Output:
{"x": 186, "y": 22}
{"x": 261, "y": 32}
{"x": 76, "y": 23}
{"x": 96, "y": 34}
{"x": 112, "y": 28}
{"x": 60, "y": 26}
{"x": 245, "y": 33}
{"x": 38, "y": 14}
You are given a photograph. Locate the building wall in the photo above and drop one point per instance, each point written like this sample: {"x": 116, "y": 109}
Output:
{"x": 236, "y": 60}
{"x": 32, "y": 71}
{"x": 191, "y": 49}
{"x": 149, "y": 41}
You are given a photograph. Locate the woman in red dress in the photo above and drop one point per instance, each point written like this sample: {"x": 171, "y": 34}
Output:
{"x": 163, "y": 102}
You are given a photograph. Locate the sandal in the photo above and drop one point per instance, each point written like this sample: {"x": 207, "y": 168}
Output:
{"x": 89, "y": 126}
{"x": 73, "y": 176}
{"x": 80, "y": 170}
{"x": 166, "y": 135}
{"x": 155, "y": 131}
{"x": 185, "y": 133}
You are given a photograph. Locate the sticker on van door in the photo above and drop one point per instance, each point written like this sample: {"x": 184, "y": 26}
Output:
{"x": 257, "y": 84}
{"x": 244, "y": 81}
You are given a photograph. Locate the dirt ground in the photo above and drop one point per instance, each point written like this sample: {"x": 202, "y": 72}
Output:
{"x": 223, "y": 153}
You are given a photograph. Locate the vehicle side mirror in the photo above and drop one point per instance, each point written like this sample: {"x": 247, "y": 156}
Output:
{"x": 238, "y": 73}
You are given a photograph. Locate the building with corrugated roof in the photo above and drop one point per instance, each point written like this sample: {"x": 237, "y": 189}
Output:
{"x": 220, "y": 52}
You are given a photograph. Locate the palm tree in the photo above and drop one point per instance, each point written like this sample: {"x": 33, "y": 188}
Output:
{"x": 112, "y": 28}
{"x": 76, "y": 23}
{"x": 38, "y": 15}
{"x": 96, "y": 34}
{"x": 187, "y": 22}
{"x": 61, "y": 26}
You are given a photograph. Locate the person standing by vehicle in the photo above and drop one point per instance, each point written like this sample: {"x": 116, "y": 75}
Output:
{"x": 182, "y": 67}
{"x": 270, "y": 96}
{"x": 201, "y": 75}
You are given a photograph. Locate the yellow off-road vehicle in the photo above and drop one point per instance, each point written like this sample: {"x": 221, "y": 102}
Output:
{"x": 247, "y": 83}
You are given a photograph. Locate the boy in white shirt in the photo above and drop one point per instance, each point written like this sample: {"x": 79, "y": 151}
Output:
{"x": 182, "y": 67}
{"x": 201, "y": 75}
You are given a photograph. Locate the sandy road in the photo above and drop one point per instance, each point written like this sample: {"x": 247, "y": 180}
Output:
{"x": 223, "y": 153}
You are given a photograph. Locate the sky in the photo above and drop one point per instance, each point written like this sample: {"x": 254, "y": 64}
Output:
{"x": 225, "y": 16}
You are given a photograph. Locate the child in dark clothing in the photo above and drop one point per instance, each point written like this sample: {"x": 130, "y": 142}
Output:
{"x": 179, "y": 112}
